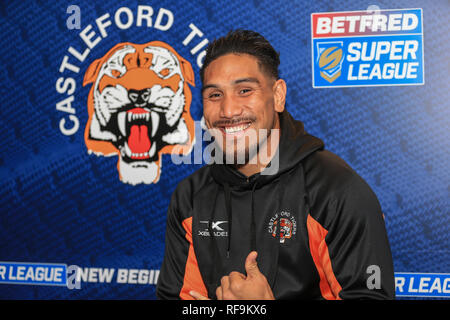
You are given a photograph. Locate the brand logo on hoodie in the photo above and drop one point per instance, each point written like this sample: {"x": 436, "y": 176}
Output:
{"x": 217, "y": 229}
{"x": 285, "y": 222}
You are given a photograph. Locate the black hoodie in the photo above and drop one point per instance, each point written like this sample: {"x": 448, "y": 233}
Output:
{"x": 332, "y": 243}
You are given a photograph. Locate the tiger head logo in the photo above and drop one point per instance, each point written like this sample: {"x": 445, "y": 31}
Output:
{"x": 282, "y": 225}
{"x": 285, "y": 229}
{"x": 138, "y": 108}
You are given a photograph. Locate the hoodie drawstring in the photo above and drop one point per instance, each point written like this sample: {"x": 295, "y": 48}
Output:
{"x": 253, "y": 224}
{"x": 215, "y": 248}
{"x": 229, "y": 215}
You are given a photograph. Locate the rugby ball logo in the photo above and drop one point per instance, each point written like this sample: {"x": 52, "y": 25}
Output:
{"x": 330, "y": 60}
{"x": 138, "y": 108}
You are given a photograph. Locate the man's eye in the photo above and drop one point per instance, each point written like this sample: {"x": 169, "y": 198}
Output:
{"x": 214, "y": 95}
{"x": 244, "y": 91}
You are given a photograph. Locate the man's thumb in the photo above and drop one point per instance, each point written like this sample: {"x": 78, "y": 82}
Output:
{"x": 251, "y": 266}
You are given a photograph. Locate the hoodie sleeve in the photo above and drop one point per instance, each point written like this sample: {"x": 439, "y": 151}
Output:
{"x": 350, "y": 247}
{"x": 179, "y": 271}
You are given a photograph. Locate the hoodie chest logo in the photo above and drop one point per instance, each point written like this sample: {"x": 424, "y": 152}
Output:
{"x": 283, "y": 223}
{"x": 217, "y": 228}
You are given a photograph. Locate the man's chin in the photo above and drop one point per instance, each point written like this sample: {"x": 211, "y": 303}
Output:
{"x": 241, "y": 157}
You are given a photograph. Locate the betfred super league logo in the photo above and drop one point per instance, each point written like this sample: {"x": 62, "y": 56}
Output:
{"x": 138, "y": 107}
{"x": 367, "y": 48}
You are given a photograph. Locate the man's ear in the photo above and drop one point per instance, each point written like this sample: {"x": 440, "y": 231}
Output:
{"x": 279, "y": 90}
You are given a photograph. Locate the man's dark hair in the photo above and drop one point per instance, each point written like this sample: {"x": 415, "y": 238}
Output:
{"x": 244, "y": 41}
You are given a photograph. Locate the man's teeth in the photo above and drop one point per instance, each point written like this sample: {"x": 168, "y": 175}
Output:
{"x": 127, "y": 151}
{"x": 236, "y": 128}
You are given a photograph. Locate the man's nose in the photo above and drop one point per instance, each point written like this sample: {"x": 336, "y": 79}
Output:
{"x": 230, "y": 107}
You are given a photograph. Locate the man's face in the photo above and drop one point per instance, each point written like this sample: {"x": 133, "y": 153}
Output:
{"x": 240, "y": 99}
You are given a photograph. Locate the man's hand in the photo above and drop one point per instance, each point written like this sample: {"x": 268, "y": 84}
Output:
{"x": 237, "y": 286}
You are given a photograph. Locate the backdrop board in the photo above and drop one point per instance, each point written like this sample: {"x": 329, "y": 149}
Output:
{"x": 85, "y": 185}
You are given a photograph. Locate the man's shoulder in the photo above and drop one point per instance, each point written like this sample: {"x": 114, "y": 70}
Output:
{"x": 331, "y": 177}
{"x": 329, "y": 168}
{"x": 332, "y": 183}
{"x": 194, "y": 183}
{"x": 182, "y": 200}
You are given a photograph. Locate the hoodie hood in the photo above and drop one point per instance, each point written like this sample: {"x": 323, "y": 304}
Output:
{"x": 295, "y": 145}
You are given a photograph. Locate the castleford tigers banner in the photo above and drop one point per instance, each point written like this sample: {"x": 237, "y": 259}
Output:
{"x": 101, "y": 118}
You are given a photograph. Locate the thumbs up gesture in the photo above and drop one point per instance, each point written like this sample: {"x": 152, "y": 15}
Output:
{"x": 237, "y": 286}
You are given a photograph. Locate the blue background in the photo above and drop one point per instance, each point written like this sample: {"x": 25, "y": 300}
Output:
{"x": 61, "y": 205}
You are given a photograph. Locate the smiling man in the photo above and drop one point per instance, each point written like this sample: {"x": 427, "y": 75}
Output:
{"x": 311, "y": 229}
{"x": 241, "y": 103}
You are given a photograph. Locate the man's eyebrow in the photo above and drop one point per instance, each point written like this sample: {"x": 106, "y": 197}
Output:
{"x": 209, "y": 86}
{"x": 237, "y": 81}
{"x": 253, "y": 80}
